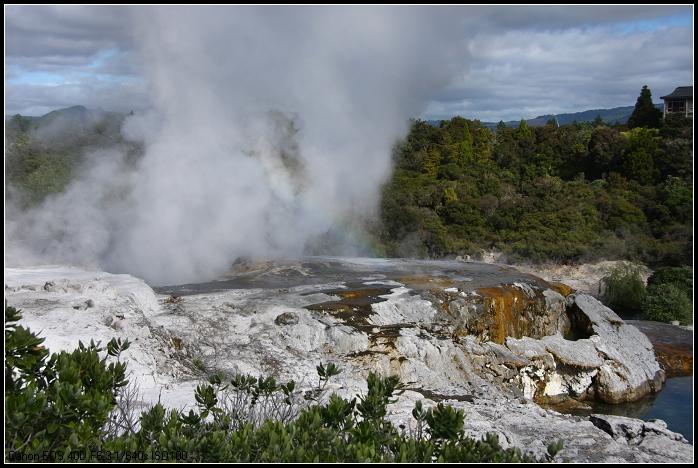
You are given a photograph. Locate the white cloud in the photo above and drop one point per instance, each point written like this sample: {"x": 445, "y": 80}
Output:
{"x": 521, "y": 73}
{"x": 525, "y": 60}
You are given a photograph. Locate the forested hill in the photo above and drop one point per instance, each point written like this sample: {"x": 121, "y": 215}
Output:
{"x": 569, "y": 193}
{"x": 616, "y": 115}
{"x": 43, "y": 153}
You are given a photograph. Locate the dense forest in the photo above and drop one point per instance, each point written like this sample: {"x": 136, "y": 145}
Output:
{"x": 570, "y": 193}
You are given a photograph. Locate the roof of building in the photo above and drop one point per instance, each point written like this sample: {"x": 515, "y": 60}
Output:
{"x": 680, "y": 92}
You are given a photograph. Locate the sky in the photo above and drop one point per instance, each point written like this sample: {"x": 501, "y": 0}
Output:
{"x": 514, "y": 62}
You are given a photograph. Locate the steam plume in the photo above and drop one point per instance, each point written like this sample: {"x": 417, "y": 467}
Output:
{"x": 267, "y": 125}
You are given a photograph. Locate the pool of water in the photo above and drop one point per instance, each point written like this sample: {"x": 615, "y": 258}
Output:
{"x": 674, "y": 405}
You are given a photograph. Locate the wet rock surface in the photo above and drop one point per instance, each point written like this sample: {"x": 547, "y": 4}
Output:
{"x": 482, "y": 337}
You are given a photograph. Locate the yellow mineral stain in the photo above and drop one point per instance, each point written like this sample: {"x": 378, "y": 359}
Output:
{"x": 562, "y": 288}
{"x": 506, "y": 304}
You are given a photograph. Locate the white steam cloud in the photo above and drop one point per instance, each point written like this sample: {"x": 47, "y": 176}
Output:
{"x": 267, "y": 126}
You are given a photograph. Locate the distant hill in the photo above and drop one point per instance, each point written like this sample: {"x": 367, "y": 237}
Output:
{"x": 71, "y": 120}
{"x": 43, "y": 153}
{"x": 81, "y": 119}
{"x": 611, "y": 116}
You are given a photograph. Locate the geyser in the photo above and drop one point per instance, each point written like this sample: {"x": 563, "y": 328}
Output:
{"x": 266, "y": 126}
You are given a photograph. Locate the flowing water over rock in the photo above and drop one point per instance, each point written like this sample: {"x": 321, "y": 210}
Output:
{"x": 487, "y": 338}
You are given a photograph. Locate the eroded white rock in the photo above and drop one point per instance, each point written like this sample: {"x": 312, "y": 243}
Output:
{"x": 235, "y": 331}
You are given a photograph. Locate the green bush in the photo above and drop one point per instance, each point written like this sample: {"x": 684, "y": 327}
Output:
{"x": 666, "y": 302}
{"x": 63, "y": 404}
{"x": 681, "y": 277}
{"x": 57, "y": 402}
{"x": 624, "y": 290}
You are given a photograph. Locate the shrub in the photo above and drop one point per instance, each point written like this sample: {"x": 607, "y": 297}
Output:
{"x": 64, "y": 404}
{"x": 61, "y": 402}
{"x": 681, "y": 277}
{"x": 666, "y": 302}
{"x": 199, "y": 364}
{"x": 623, "y": 290}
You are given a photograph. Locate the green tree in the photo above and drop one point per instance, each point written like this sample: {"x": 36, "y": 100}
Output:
{"x": 666, "y": 302}
{"x": 645, "y": 114}
{"x": 465, "y": 149}
{"x": 637, "y": 161}
{"x": 678, "y": 197}
{"x": 431, "y": 163}
{"x": 681, "y": 277}
{"x": 624, "y": 290}
{"x": 522, "y": 192}
{"x": 605, "y": 148}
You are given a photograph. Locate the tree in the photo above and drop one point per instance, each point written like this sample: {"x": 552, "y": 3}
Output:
{"x": 465, "y": 149}
{"x": 637, "y": 161}
{"x": 606, "y": 146}
{"x": 431, "y": 163}
{"x": 645, "y": 114}
{"x": 681, "y": 277}
{"x": 667, "y": 302}
{"x": 677, "y": 195}
{"x": 624, "y": 290}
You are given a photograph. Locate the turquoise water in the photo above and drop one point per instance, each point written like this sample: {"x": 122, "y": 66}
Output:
{"x": 673, "y": 404}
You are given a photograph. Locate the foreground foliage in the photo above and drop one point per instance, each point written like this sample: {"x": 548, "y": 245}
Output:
{"x": 63, "y": 408}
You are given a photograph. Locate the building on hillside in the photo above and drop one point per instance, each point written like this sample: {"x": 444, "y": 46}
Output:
{"x": 679, "y": 102}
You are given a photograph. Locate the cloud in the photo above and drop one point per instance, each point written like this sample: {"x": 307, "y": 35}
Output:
{"x": 522, "y": 74}
{"x": 517, "y": 48}
{"x": 65, "y": 30}
{"x": 553, "y": 18}
{"x": 90, "y": 51}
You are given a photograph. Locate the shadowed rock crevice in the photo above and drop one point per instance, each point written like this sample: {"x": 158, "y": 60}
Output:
{"x": 579, "y": 326}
